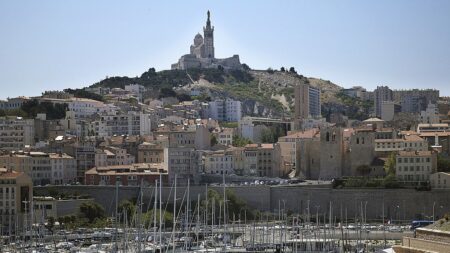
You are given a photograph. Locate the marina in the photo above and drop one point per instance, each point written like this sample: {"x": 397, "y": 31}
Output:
{"x": 207, "y": 225}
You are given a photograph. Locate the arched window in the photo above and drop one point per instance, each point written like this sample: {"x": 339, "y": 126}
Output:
{"x": 362, "y": 140}
{"x": 357, "y": 140}
{"x": 333, "y": 138}
{"x": 328, "y": 136}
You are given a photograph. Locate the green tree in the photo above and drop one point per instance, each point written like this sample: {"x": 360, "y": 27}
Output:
{"x": 167, "y": 218}
{"x": 82, "y": 93}
{"x": 50, "y": 225}
{"x": 235, "y": 205}
{"x": 390, "y": 181}
{"x": 127, "y": 209}
{"x": 92, "y": 211}
{"x": 389, "y": 166}
{"x": 213, "y": 140}
{"x": 167, "y": 92}
{"x": 267, "y": 136}
{"x": 443, "y": 164}
{"x": 184, "y": 97}
{"x": 240, "y": 142}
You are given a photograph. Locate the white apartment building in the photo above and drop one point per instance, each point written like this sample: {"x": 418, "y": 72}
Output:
{"x": 131, "y": 123}
{"x": 83, "y": 108}
{"x": 225, "y": 110}
{"x": 415, "y": 166}
{"x": 137, "y": 90}
{"x": 16, "y": 132}
{"x": 13, "y": 103}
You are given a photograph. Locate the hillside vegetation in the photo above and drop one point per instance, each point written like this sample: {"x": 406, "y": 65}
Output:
{"x": 264, "y": 93}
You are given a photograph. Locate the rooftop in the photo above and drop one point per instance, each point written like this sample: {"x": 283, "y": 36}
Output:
{"x": 373, "y": 120}
{"x": 310, "y": 133}
{"x": 9, "y": 174}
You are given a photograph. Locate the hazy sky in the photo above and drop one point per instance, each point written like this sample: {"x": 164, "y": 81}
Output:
{"x": 52, "y": 45}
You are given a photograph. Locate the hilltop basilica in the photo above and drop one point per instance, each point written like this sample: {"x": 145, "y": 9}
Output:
{"x": 202, "y": 53}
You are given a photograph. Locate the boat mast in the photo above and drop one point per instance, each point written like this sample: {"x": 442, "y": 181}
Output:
{"x": 140, "y": 218}
{"x": 154, "y": 211}
{"x": 187, "y": 213}
{"x": 224, "y": 210}
{"x": 160, "y": 210}
{"x": 174, "y": 214}
{"x": 117, "y": 217}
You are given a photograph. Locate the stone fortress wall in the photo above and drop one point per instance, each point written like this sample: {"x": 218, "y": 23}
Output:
{"x": 403, "y": 204}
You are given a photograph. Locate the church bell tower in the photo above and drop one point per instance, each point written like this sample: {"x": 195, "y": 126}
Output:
{"x": 208, "y": 34}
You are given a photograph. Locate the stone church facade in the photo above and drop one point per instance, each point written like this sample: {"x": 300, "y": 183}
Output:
{"x": 202, "y": 53}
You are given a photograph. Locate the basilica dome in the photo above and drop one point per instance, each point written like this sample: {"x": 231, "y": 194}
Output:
{"x": 198, "y": 40}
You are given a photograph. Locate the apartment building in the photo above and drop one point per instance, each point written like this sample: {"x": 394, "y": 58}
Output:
{"x": 381, "y": 94}
{"x": 126, "y": 175}
{"x": 440, "y": 127}
{"x": 149, "y": 152}
{"x": 131, "y": 123}
{"x": 268, "y": 160}
{"x": 219, "y": 162}
{"x": 430, "y": 115}
{"x": 13, "y": 103}
{"x": 137, "y": 90}
{"x": 262, "y": 160}
{"x": 440, "y": 180}
{"x": 225, "y": 136}
{"x": 409, "y": 142}
{"x": 225, "y": 110}
{"x": 16, "y": 190}
{"x": 178, "y": 162}
{"x": 83, "y": 108}
{"x": 307, "y": 102}
{"x": 112, "y": 156}
{"x": 84, "y": 154}
{"x": 415, "y": 166}
{"x": 16, "y": 132}
{"x": 197, "y": 137}
{"x": 63, "y": 168}
{"x": 34, "y": 164}
{"x": 43, "y": 168}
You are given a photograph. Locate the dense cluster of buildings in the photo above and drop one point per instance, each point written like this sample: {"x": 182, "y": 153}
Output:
{"x": 131, "y": 137}
{"x": 130, "y": 143}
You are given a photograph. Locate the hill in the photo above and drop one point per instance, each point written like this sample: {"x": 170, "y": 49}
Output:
{"x": 266, "y": 93}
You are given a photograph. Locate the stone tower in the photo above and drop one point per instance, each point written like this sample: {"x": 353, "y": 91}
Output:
{"x": 208, "y": 35}
{"x": 331, "y": 152}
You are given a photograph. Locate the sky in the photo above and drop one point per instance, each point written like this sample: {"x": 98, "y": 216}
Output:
{"x": 53, "y": 45}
